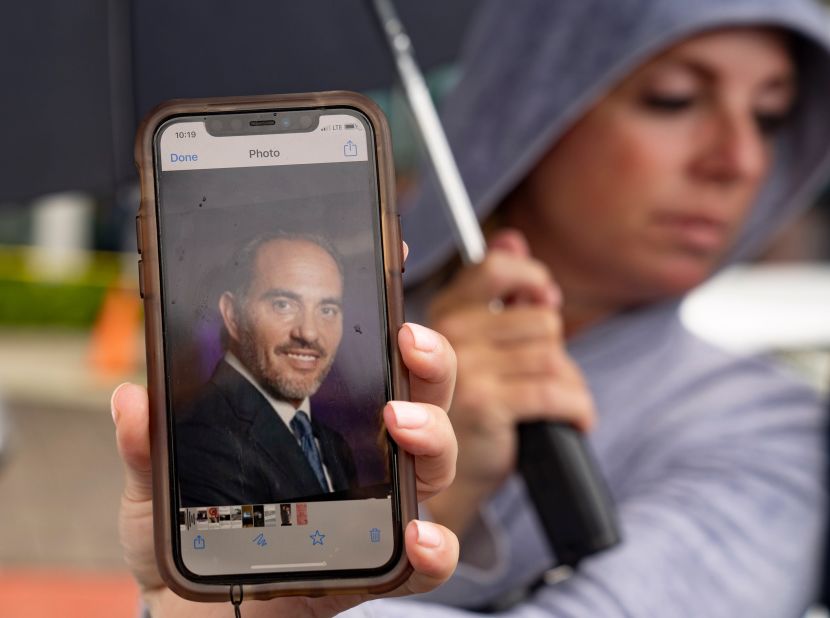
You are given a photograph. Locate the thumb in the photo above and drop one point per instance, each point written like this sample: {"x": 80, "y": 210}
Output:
{"x": 131, "y": 413}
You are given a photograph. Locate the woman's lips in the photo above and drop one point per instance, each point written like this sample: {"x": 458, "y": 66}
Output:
{"x": 696, "y": 232}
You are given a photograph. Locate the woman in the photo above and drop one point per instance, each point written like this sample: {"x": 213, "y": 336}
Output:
{"x": 620, "y": 153}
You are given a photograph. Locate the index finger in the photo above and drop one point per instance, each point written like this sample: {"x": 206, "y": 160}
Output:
{"x": 501, "y": 275}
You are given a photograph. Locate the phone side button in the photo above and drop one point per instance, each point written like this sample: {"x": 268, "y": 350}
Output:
{"x": 141, "y": 278}
{"x": 400, "y": 239}
{"x": 138, "y": 234}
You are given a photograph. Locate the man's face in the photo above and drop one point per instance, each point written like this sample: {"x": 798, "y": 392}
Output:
{"x": 287, "y": 328}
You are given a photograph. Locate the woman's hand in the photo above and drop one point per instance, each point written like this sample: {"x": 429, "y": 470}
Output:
{"x": 421, "y": 429}
{"x": 502, "y": 317}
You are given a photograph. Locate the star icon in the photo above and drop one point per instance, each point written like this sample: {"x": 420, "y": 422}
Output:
{"x": 317, "y": 538}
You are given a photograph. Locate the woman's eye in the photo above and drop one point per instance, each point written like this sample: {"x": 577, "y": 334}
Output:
{"x": 668, "y": 103}
{"x": 769, "y": 124}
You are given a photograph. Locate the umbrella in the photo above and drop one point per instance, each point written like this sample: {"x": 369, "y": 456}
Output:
{"x": 79, "y": 76}
{"x": 67, "y": 103}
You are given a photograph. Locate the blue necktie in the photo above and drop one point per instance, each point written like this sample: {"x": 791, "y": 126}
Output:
{"x": 301, "y": 426}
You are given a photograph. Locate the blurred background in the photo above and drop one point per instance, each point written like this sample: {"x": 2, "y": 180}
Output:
{"x": 78, "y": 77}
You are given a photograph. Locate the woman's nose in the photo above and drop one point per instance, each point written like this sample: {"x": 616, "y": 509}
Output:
{"x": 736, "y": 151}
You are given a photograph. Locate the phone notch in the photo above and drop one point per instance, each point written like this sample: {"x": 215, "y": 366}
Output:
{"x": 265, "y": 122}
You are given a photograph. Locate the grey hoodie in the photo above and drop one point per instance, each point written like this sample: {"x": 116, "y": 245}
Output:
{"x": 531, "y": 68}
{"x": 715, "y": 462}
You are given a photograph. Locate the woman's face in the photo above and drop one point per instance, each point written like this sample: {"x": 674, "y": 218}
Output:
{"x": 642, "y": 198}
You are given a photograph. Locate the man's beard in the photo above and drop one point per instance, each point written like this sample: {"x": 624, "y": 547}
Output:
{"x": 281, "y": 387}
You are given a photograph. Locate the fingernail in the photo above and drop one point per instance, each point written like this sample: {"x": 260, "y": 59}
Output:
{"x": 428, "y": 534}
{"x": 113, "y": 408}
{"x": 425, "y": 339}
{"x": 409, "y": 415}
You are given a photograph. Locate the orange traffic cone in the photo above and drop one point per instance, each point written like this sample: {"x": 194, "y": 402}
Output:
{"x": 114, "y": 344}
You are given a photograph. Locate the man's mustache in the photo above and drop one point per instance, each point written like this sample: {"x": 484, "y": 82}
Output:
{"x": 301, "y": 344}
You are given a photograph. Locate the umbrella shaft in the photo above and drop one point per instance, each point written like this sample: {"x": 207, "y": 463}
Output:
{"x": 456, "y": 199}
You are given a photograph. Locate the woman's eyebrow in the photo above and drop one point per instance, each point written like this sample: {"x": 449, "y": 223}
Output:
{"x": 700, "y": 69}
{"x": 707, "y": 73}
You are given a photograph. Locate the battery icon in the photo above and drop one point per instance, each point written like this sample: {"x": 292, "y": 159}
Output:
{"x": 350, "y": 125}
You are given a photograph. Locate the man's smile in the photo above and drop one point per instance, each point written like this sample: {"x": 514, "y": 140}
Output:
{"x": 302, "y": 359}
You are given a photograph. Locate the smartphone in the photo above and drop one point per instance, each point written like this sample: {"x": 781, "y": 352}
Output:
{"x": 270, "y": 268}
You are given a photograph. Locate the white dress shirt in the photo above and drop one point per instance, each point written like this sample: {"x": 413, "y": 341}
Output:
{"x": 283, "y": 409}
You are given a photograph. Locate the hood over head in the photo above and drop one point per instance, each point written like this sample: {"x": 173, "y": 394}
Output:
{"x": 531, "y": 69}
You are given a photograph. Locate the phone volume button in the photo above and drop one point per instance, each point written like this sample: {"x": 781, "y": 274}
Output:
{"x": 138, "y": 234}
{"x": 400, "y": 245}
{"x": 141, "y": 278}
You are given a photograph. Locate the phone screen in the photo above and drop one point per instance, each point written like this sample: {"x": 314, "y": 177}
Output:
{"x": 276, "y": 345}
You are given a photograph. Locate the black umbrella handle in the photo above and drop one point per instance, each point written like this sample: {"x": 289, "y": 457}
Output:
{"x": 569, "y": 493}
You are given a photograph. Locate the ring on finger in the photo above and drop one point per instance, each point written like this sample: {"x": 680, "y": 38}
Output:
{"x": 496, "y": 306}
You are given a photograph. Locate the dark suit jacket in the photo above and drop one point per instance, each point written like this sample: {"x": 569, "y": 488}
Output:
{"x": 232, "y": 448}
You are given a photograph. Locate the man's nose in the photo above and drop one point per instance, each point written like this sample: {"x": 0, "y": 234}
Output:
{"x": 735, "y": 151}
{"x": 305, "y": 326}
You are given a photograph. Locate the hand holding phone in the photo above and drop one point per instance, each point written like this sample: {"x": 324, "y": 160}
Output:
{"x": 422, "y": 429}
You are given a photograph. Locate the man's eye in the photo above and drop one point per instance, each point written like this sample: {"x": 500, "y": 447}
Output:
{"x": 282, "y": 306}
{"x": 330, "y": 310}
